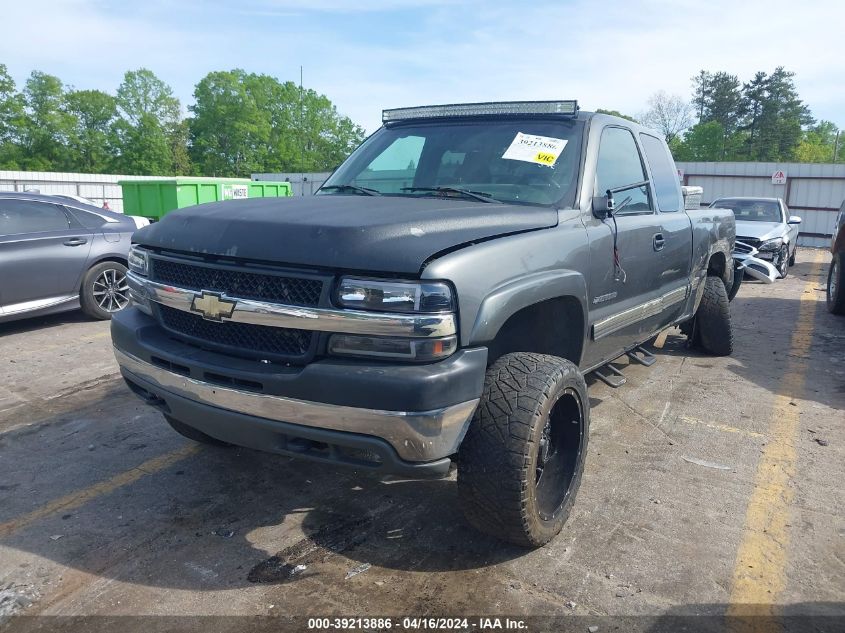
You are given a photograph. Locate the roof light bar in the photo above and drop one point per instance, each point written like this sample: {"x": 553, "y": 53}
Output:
{"x": 480, "y": 109}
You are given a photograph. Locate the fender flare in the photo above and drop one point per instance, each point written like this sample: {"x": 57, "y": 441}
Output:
{"x": 511, "y": 297}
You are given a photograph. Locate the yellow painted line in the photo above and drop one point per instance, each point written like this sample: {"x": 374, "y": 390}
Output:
{"x": 759, "y": 575}
{"x": 80, "y": 497}
{"x": 720, "y": 427}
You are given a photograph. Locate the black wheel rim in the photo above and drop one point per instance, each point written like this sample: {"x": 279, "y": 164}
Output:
{"x": 559, "y": 454}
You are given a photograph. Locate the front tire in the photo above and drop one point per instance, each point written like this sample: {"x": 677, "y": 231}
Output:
{"x": 520, "y": 465}
{"x": 836, "y": 285}
{"x": 783, "y": 261}
{"x": 105, "y": 290}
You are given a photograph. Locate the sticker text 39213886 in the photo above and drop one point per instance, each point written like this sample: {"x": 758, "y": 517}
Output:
{"x": 531, "y": 148}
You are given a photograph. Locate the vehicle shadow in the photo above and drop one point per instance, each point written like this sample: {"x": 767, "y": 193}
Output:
{"x": 33, "y": 324}
{"x": 223, "y": 517}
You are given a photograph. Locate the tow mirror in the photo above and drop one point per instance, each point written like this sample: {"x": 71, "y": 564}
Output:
{"x": 603, "y": 206}
{"x": 793, "y": 219}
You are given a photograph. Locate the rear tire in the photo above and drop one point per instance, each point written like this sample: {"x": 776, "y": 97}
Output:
{"x": 104, "y": 290}
{"x": 836, "y": 285}
{"x": 520, "y": 465}
{"x": 712, "y": 327}
{"x": 193, "y": 434}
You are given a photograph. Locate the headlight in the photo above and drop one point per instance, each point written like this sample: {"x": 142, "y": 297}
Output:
{"x": 389, "y": 348}
{"x": 394, "y": 296}
{"x": 771, "y": 245}
{"x": 139, "y": 261}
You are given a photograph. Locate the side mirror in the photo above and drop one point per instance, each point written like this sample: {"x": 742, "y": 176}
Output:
{"x": 602, "y": 206}
{"x": 793, "y": 219}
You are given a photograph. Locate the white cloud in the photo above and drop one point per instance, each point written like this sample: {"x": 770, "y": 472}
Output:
{"x": 389, "y": 53}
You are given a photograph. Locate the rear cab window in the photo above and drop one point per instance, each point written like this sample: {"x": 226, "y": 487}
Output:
{"x": 664, "y": 177}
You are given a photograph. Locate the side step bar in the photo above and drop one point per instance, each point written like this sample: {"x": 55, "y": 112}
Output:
{"x": 613, "y": 379}
{"x": 642, "y": 356}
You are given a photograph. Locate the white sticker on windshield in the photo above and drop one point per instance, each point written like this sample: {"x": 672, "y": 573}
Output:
{"x": 543, "y": 150}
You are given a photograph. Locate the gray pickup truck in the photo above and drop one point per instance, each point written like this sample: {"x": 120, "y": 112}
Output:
{"x": 439, "y": 301}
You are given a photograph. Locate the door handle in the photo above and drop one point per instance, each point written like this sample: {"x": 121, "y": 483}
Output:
{"x": 658, "y": 241}
{"x": 75, "y": 241}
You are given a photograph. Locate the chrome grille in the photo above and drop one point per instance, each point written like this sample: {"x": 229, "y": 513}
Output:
{"x": 243, "y": 339}
{"x": 273, "y": 288}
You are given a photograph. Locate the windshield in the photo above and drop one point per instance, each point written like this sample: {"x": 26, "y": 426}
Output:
{"x": 512, "y": 161}
{"x": 752, "y": 210}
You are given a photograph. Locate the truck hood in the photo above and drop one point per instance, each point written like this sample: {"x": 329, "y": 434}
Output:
{"x": 351, "y": 232}
{"x": 760, "y": 230}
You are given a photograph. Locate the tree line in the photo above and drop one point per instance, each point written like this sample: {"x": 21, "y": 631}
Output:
{"x": 762, "y": 119}
{"x": 239, "y": 123}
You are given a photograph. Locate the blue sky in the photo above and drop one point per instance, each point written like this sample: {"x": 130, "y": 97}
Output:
{"x": 372, "y": 54}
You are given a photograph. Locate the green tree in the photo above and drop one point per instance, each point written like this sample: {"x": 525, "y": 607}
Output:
{"x": 148, "y": 128}
{"x": 92, "y": 142}
{"x": 229, "y": 131}
{"x": 243, "y": 123}
{"x": 11, "y": 120}
{"x": 702, "y": 142}
{"x": 818, "y": 144}
{"x": 782, "y": 118}
{"x": 46, "y": 126}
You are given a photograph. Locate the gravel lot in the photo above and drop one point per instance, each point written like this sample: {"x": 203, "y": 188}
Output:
{"x": 713, "y": 486}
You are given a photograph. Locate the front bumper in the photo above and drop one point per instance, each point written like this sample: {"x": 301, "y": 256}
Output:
{"x": 405, "y": 419}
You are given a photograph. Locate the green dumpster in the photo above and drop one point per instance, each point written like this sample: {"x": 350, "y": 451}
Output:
{"x": 154, "y": 198}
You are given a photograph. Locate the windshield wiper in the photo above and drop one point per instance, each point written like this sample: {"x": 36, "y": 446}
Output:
{"x": 475, "y": 195}
{"x": 362, "y": 190}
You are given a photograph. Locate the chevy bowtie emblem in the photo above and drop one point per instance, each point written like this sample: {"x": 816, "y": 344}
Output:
{"x": 213, "y": 306}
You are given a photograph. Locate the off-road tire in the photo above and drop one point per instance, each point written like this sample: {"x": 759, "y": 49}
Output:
{"x": 193, "y": 434}
{"x": 713, "y": 331}
{"x": 836, "y": 285}
{"x": 499, "y": 458}
{"x": 88, "y": 301}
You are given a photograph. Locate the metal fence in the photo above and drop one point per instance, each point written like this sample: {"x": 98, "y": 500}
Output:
{"x": 98, "y": 188}
{"x": 813, "y": 191}
{"x": 301, "y": 184}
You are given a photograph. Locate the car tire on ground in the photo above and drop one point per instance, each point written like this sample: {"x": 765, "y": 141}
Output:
{"x": 783, "y": 261}
{"x": 193, "y": 434}
{"x": 792, "y": 257}
{"x": 836, "y": 285}
{"x": 104, "y": 290}
{"x": 520, "y": 465}
{"x": 712, "y": 328}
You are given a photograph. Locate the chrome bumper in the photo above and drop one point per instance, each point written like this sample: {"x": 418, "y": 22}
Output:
{"x": 416, "y": 436}
{"x": 301, "y": 318}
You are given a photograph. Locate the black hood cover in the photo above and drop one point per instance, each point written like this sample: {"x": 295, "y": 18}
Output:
{"x": 350, "y": 232}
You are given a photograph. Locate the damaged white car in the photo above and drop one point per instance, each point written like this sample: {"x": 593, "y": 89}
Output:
{"x": 765, "y": 225}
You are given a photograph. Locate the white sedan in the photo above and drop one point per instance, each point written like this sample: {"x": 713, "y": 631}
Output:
{"x": 765, "y": 224}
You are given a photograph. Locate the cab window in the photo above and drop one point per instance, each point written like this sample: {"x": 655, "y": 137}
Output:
{"x": 619, "y": 164}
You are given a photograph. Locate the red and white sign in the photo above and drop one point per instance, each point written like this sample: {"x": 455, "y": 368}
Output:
{"x": 779, "y": 177}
